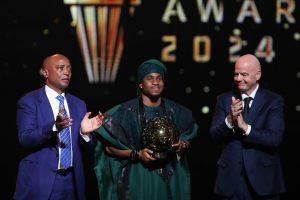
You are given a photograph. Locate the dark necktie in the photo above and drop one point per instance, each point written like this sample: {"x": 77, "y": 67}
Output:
{"x": 247, "y": 101}
{"x": 65, "y": 140}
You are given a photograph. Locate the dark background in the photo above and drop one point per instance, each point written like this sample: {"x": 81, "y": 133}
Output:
{"x": 31, "y": 30}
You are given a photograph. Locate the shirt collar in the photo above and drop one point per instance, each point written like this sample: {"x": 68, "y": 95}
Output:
{"x": 252, "y": 94}
{"x": 52, "y": 94}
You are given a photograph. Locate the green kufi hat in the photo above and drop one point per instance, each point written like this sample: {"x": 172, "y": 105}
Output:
{"x": 150, "y": 66}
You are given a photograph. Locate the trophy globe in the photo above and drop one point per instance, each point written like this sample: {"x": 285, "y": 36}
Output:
{"x": 158, "y": 135}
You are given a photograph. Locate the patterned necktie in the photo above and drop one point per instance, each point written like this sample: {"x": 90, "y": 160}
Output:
{"x": 247, "y": 101}
{"x": 65, "y": 140}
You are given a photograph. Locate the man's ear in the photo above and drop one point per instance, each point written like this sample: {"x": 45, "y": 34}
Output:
{"x": 44, "y": 73}
{"x": 258, "y": 75}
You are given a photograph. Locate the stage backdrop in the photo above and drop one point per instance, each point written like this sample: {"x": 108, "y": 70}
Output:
{"x": 197, "y": 40}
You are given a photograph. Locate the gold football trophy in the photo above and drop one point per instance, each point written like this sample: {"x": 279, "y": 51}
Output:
{"x": 158, "y": 135}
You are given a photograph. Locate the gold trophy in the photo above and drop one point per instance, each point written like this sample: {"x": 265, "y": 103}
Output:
{"x": 158, "y": 135}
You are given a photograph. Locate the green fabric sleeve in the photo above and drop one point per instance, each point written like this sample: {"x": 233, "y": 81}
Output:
{"x": 106, "y": 168}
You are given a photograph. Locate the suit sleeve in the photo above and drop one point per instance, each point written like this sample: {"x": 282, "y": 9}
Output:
{"x": 267, "y": 130}
{"x": 31, "y": 132}
{"x": 218, "y": 129}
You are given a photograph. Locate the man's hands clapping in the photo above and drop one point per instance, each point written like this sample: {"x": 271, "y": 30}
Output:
{"x": 235, "y": 117}
{"x": 62, "y": 122}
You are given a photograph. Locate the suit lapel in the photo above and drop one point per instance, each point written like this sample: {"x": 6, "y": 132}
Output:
{"x": 45, "y": 106}
{"x": 257, "y": 105}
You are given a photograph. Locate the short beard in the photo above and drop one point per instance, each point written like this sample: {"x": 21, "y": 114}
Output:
{"x": 154, "y": 98}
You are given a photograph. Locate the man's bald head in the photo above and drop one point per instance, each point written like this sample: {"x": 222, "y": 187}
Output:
{"x": 54, "y": 57}
{"x": 247, "y": 72}
{"x": 57, "y": 72}
{"x": 250, "y": 61}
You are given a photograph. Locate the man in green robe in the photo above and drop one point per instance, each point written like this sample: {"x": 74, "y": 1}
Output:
{"x": 125, "y": 167}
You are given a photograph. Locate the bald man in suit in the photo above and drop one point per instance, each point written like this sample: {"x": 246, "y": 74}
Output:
{"x": 249, "y": 166}
{"x": 40, "y": 122}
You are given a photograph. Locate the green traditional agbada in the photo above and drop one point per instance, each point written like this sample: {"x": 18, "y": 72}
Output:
{"x": 128, "y": 179}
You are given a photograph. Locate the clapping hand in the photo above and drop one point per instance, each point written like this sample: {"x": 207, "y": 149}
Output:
{"x": 62, "y": 121}
{"x": 90, "y": 124}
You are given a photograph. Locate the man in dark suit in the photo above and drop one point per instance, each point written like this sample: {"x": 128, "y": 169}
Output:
{"x": 52, "y": 167}
{"x": 250, "y": 134}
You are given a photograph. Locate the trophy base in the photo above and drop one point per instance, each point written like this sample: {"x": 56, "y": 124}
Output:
{"x": 160, "y": 155}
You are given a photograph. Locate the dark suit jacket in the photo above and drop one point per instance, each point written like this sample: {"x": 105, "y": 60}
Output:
{"x": 258, "y": 151}
{"x": 37, "y": 169}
